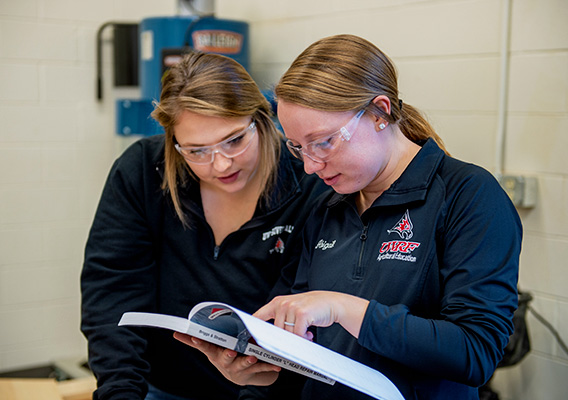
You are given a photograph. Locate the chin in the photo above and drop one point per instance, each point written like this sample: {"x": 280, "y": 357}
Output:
{"x": 339, "y": 189}
{"x": 234, "y": 187}
{"x": 344, "y": 189}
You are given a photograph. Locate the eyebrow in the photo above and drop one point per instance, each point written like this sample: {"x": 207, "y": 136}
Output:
{"x": 310, "y": 137}
{"x": 232, "y": 133}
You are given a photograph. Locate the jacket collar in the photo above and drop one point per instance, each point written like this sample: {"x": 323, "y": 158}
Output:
{"x": 290, "y": 171}
{"x": 414, "y": 182}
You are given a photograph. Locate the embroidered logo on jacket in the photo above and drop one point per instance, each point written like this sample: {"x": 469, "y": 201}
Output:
{"x": 399, "y": 249}
{"x": 403, "y": 227}
{"x": 279, "y": 247}
{"x": 277, "y": 231}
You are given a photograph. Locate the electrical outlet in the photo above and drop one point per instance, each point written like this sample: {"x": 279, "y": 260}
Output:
{"x": 522, "y": 190}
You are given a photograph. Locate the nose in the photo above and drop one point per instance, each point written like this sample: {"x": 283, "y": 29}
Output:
{"x": 220, "y": 162}
{"x": 311, "y": 166}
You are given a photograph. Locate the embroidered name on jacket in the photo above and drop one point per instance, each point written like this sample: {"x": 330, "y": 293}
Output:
{"x": 399, "y": 249}
{"x": 323, "y": 245}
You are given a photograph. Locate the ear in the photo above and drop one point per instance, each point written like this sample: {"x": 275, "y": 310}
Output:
{"x": 382, "y": 102}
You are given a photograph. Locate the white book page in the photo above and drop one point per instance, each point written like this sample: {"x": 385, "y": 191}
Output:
{"x": 177, "y": 324}
{"x": 320, "y": 359}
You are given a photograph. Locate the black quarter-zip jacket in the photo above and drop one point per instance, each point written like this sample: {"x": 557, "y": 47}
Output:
{"x": 437, "y": 255}
{"x": 139, "y": 257}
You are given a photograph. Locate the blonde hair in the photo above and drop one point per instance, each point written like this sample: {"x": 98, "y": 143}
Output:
{"x": 213, "y": 85}
{"x": 346, "y": 72}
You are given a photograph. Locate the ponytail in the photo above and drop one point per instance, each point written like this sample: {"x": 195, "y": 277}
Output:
{"x": 417, "y": 128}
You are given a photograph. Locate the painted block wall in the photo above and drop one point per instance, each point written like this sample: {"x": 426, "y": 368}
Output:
{"x": 57, "y": 142}
{"x": 56, "y": 146}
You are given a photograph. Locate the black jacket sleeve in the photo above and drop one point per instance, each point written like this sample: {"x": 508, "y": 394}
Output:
{"x": 288, "y": 386}
{"x": 118, "y": 276}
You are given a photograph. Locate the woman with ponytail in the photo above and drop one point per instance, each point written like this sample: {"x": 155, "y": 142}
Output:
{"x": 411, "y": 266}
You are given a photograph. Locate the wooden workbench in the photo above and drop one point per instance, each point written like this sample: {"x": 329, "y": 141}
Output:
{"x": 46, "y": 389}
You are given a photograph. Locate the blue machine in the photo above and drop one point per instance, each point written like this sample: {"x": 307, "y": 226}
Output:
{"x": 162, "y": 42}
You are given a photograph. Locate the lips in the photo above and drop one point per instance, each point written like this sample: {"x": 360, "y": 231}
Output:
{"x": 330, "y": 181}
{"x": 229, "y": 178}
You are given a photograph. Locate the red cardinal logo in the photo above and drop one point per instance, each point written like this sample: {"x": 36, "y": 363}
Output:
{"x": 403, "y": 227}
{"x": 279, "y": 247}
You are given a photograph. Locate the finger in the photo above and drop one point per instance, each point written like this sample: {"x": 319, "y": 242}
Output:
{"x": 280, "y": 311}
{"x": 183, "y": 338}
{"x": 266, "y": 312}
{"x": 224, "y": 359}
{"x": 289, "y": 322}
{"x": 265, "y": 378}
{"x": 253, "y": 366}
{"x": 209, "y": 349}
{"x": 257, "y": 379}
{"x": 279, "y": 319}
{"x": 273, "y": 311}
{"x": 302, "y": 324}
{"x": 228, "y": 354}
{"x": 195, "y": 342}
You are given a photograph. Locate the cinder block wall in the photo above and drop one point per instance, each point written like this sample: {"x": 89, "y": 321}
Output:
{"x": 56, "y": 146}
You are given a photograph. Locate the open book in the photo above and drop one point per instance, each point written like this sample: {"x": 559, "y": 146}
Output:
{"x": 234, "y": 329}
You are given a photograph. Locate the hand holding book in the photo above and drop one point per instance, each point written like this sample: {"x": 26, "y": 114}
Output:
{"x": 296, "y": 313}
{"x": 242, "y": 370}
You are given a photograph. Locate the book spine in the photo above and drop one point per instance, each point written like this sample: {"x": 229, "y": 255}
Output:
{"x": 212, "y": 336}
{"x": 230, "y": 342}
{"x": 266, "y": 356}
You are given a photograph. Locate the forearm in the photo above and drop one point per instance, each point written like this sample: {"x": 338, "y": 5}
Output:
{"x": 115, "y": 357}
{"x": 463, "y": 352}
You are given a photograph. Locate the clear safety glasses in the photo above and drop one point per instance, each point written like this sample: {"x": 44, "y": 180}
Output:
{"x": 323, "y": 149}
{"x": 231, "y": 147}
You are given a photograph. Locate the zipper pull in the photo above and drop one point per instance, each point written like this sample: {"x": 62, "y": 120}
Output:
{"x": 216, "y": 253}
{"x": 363, "y": 236}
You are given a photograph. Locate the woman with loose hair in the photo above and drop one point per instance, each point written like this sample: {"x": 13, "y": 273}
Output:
{"x": 211, "y": 210}
{"x": 411, "y": 266}
{"x": 214, "y": 87}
